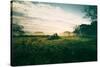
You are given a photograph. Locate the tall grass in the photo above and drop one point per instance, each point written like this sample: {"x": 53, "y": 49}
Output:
{"x": 40, "y": 50}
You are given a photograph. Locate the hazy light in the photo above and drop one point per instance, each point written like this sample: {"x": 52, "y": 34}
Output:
{"x": 46, "y": 18}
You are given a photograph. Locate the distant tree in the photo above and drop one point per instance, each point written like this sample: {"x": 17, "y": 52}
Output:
{"x": 67, "y": 33}
{"x": 39, "y": 33}
{"x": 17, "y": 29}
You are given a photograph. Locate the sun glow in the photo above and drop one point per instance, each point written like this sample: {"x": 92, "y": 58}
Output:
{"x": 45, "y": 18}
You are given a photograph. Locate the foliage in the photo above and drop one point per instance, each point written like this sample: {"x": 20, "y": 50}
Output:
{"x": 91, "y": 12}
{"x": 88, "y": 30}
{"x": 17, "y": 29}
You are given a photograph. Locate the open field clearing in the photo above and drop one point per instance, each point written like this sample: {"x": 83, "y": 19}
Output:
{"x": 40, "y": 50}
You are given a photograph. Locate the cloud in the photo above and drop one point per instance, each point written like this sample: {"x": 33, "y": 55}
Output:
{"x": 44, "y": 17}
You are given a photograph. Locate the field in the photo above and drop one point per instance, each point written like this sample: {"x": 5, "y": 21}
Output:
{"x": 39, "y": 50}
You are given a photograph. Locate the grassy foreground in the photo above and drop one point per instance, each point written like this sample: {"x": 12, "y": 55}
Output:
{"x": 40, "y": 50}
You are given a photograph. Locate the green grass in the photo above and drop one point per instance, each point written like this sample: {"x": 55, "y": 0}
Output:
{"x": 40, "y": 50}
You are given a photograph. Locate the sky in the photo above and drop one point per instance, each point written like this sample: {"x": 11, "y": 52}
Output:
{"x": 48, "y": 18}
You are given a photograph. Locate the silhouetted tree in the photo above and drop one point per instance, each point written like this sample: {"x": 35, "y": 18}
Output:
{"x": 94, "y": 28}
{"x": 84, "y": 29}
{"x": 17, "y": 29}
{"x": 91, "y": 12}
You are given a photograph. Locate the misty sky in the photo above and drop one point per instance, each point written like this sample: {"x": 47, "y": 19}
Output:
{"x": 47, "y": 17}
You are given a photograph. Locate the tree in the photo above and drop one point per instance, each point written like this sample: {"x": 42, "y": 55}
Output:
{"x": 84, "y": 29}
{"x": 94, "y": 28}
{"x": 91, "y": 12}
{"x": 17, "y": 29}
{"x": 39, "y": 33}
{"x": 77, "y": 30}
